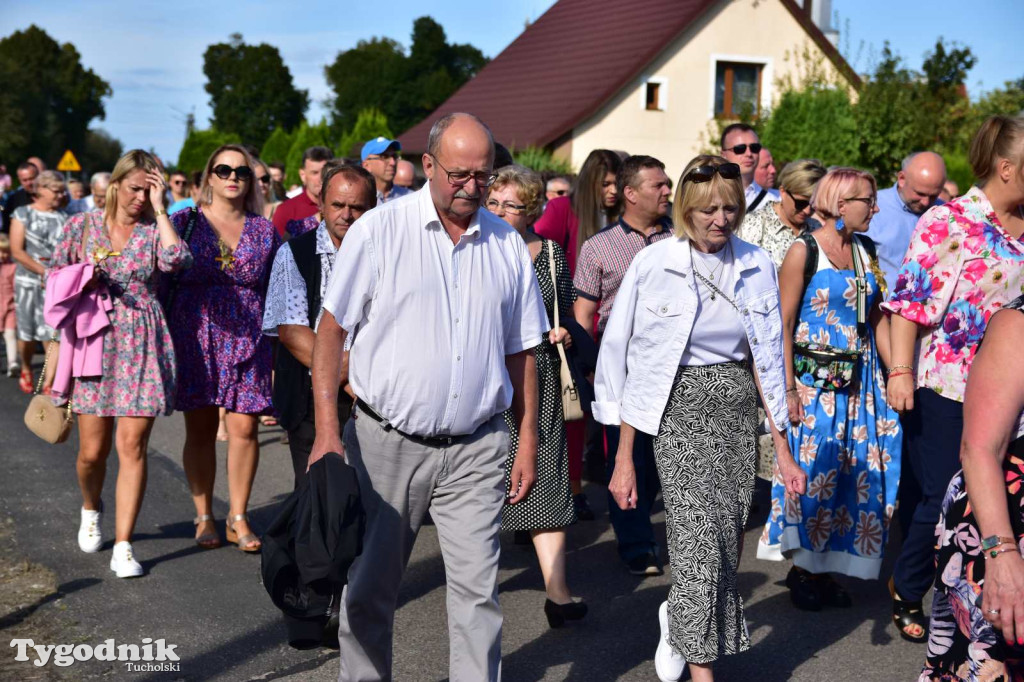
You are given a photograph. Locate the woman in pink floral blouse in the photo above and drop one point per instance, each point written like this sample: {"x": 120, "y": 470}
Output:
{"x": 965, "y": 262}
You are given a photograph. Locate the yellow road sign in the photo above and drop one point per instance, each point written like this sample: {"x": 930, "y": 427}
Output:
{"x": 68, "y": 162}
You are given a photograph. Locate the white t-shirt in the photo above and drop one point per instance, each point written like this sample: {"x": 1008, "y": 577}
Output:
{"x": 718, "y": 335}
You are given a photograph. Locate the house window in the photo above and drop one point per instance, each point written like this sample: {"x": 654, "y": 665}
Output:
{"x": 654, "y": 94}
{"x": 737, "y": 89}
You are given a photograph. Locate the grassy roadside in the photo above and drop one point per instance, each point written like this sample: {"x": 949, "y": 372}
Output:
{"x": 30, "y": 607}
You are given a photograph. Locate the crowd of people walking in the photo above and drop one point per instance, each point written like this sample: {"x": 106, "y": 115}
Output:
{"x": 462, "y": 345}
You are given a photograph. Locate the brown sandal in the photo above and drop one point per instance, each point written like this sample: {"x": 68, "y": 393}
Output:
{"x": 209, "y": 540}
{"x": 245, "y": 542}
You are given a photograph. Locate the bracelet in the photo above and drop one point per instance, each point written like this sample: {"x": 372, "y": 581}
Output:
{"x": 996, "y": 540}
{"x": 895, "y": 367}
{"x": 893, "y": 374}
{"x": 791, "y": 390}
{"x": 159, "y": 212}
{"x": 1001, "y": 550}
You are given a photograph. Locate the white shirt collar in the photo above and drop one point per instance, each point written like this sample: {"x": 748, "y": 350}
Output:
{"x": 429, "y": 217}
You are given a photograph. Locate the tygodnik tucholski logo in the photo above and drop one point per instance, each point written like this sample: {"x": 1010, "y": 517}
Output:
{"x": 150, "y": 656}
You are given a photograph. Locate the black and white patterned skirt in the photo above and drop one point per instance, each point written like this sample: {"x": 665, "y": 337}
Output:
{"x": 706, "y": 454}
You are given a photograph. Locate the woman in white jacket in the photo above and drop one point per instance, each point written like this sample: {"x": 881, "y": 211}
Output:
{"x": 694, "y": 334}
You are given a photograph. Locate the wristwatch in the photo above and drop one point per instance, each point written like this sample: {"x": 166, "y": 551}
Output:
{"x": 993, "y": 541}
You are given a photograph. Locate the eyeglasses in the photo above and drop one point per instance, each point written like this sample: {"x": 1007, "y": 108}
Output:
{"x": 559, "y": 192}
{"x": 385, "y": 157}
{"x": 177, "y": 182}
{"x": 798, "y": 204}
{"x": 493, "y": 205}
{"x": 742, "y": 148}
{"x": 264, "y": 179}
{"x": 459, "y": 178}
{"x": 728, "y": 171}
{"x": 224, "y": 171}
{"x": 870, "y": 201}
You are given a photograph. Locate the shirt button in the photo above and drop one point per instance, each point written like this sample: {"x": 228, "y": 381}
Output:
{"x": 770, "y": 396}
{"x": 455, "y": 395}
{"x": 456, "y": 320}
{"x": 664, "y": 308}
{"x": 746, "y": 312}
{"x": 458, "y": 357}
{"x": 753, "y": 341}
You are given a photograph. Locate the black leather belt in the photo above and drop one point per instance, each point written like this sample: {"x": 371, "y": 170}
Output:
{"x": 432, "y": 441}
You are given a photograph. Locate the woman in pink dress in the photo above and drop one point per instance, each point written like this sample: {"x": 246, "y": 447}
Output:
{"x": 224, "y": 360}
{"x": 129, "y": 243}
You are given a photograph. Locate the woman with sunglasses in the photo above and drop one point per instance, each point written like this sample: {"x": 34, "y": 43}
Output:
{"x": 216, "y": 315}
{"x": 965, "y": 262}
{"x": 695, "y": 334}
{"x": 778, "y": 224}
{"x": 847, "y": 438}
{"x": 266, "y": 189}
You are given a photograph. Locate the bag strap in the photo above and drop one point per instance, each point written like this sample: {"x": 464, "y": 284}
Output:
{"x": 757, "y": 201}
{"x": 861, "y": 283}
{"x": 811, "y": 264}
{"x": 554, "y": 284}
{"x": 193, "y": 216}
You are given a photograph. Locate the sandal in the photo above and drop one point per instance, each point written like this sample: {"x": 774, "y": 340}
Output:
{"x": 25, "y": 381}
{"x": 268, "y": 420}
{"x": 245, "y": 542}
{"x": 210, "y": 540}
{"x": 906, "y": 614}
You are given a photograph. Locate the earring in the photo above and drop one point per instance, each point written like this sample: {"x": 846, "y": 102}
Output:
{"x": 840, "y": 225}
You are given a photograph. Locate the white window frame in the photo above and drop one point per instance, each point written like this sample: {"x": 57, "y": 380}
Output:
{"x": 662, "y": 84}
{"x": 767, "y": 77}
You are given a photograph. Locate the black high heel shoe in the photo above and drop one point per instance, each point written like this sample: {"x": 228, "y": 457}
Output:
{"x": 559, "y": 613}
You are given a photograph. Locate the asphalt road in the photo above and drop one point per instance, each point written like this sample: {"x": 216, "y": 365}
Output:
{"x": 211, "y": 605}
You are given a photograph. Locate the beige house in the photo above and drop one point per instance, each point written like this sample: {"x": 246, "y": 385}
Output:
{"x": 646, "y": 77}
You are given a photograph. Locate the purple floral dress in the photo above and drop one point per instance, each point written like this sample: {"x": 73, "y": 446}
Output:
{"x": 216, "y": 320}
{"x": 138, "y": 357}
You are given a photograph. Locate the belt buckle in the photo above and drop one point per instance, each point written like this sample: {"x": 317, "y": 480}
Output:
{"x": 448, "y": 441}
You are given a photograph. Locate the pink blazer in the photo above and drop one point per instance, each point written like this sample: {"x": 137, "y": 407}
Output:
{"x": 82, "y": 317}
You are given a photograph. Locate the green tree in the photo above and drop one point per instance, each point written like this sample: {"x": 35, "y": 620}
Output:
{"x": 49, "y": 98}
{"x": 275, "y": 149}
{"x": 542, "y": 160}
{"x": 406, "y": 88}
{"x": 316, "y": 135}
{"x": 199, "y": 145}
{"x": 369, "y": 124}
{"x": 100, "y": 152}
{"x": 251, "y": 90}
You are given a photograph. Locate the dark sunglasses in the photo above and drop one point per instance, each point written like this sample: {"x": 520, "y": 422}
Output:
{"x": 224, "y": 171}
{"x": 742, "y": 148}
{"x": 728, "y": 171}
{"x": 560, "y": 192}
{"x": 799, "y": 204}
{"x": 264, "y": 179}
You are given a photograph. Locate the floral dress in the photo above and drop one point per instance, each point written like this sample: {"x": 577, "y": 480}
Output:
{"x": 42, "y": 231}
{"x": 217, "y": 318}
{"x": 139, "y": 373}
{"x": 849, "y": 444}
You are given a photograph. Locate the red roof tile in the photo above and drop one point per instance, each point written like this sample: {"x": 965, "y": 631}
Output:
{"x": 569, "y": 62}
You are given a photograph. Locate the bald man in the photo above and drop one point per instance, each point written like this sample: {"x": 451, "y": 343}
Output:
{"x": 405, "y": 174}
{"x": 436, "y": 299}
{"x": 917, "y": 189}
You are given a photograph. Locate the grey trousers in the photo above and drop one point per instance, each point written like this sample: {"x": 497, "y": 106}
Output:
{"x": 463, "y": 486}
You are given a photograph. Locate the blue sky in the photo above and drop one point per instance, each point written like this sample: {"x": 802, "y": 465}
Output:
{"x": 151, "y": 52}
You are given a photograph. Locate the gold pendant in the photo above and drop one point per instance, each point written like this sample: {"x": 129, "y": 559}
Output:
{"x": 102, "y": 253}
{"x": 226, "y": 257}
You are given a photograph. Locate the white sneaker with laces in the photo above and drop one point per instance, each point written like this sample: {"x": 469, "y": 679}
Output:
{"x": 90, "y": 537}
{"x": 123, "y": 563}
{"x": 667, "y": 663}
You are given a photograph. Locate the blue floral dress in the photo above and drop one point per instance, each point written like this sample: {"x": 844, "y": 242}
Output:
{"x": 849, "y": 444}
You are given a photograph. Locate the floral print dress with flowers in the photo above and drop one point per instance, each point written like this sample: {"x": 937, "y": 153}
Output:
{"x": 139, "y": 373}
{"x": 217, "y": 318}
{"x": 961, "y": 267}
{"x": 849, "y": 444}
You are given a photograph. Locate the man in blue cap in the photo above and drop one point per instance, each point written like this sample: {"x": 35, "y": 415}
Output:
{"x": 380, "y": 157}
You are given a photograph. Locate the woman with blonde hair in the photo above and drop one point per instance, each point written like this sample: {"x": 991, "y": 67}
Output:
{"x": 129, "y": 244}
{"x": 35, "y": 229}
{"x": 216, "y": 320}
{"x": 965, "y": 262}
{"x": 694, "y": 336}
{"x": 849, "y": 440}
{"x": 778, "y": 224}
{"x": 516, "y": 196}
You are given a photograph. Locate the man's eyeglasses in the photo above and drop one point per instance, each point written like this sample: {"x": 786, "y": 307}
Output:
{"x": 459, "y": 178}
{"x": 742, "y": 148}
{"x": 728, "y": 171}
{"x": 493, "y": 205}
{"x": 870, "y": 201}
{"x": 224, "y": 171}
{"x": 385, "y": 157}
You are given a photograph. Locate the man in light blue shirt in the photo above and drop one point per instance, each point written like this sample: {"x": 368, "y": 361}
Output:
{"x": 916, "y": 190}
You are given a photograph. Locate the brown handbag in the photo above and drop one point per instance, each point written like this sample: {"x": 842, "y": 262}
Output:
{"x": 43, "y": 418}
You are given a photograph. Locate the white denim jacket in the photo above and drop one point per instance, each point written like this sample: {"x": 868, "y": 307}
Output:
{"x": 650, "y": 325}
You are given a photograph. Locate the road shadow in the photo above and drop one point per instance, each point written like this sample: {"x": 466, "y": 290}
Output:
{"x": 64, "y": 589}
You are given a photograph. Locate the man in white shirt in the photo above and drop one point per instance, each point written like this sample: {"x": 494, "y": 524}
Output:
{"x": 742, "y": 146}
{"x": 437, "y": 302}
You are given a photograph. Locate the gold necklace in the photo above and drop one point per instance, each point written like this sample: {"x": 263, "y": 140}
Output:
{"x": 226, "y": 257}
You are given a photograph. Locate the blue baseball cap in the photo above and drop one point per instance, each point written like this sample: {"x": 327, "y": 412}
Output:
{"x": 379, "y": 145}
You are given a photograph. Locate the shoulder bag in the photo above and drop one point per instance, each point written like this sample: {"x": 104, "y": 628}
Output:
{"x": 572, "y": 408}
{"x": 46, "y": 420}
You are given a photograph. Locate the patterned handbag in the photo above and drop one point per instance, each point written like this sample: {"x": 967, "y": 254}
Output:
{"x": 572, "y": 407}
{"x": 43, "y": 418}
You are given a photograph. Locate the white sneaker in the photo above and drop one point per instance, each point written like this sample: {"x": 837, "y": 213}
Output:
{"x": 667, "y": 663}
{"x": 90, "y": 537}
{"x": 123, "y": 563}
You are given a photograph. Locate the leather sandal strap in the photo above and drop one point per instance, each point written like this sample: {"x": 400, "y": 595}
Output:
{"x": 202, "y": 519}
{"x": 237, "y": 517}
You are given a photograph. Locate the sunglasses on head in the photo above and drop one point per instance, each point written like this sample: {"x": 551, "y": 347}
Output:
{"x": 224, "y": 171}
{"x": 742, "y": 148}
{"x": 728, "y": 171}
